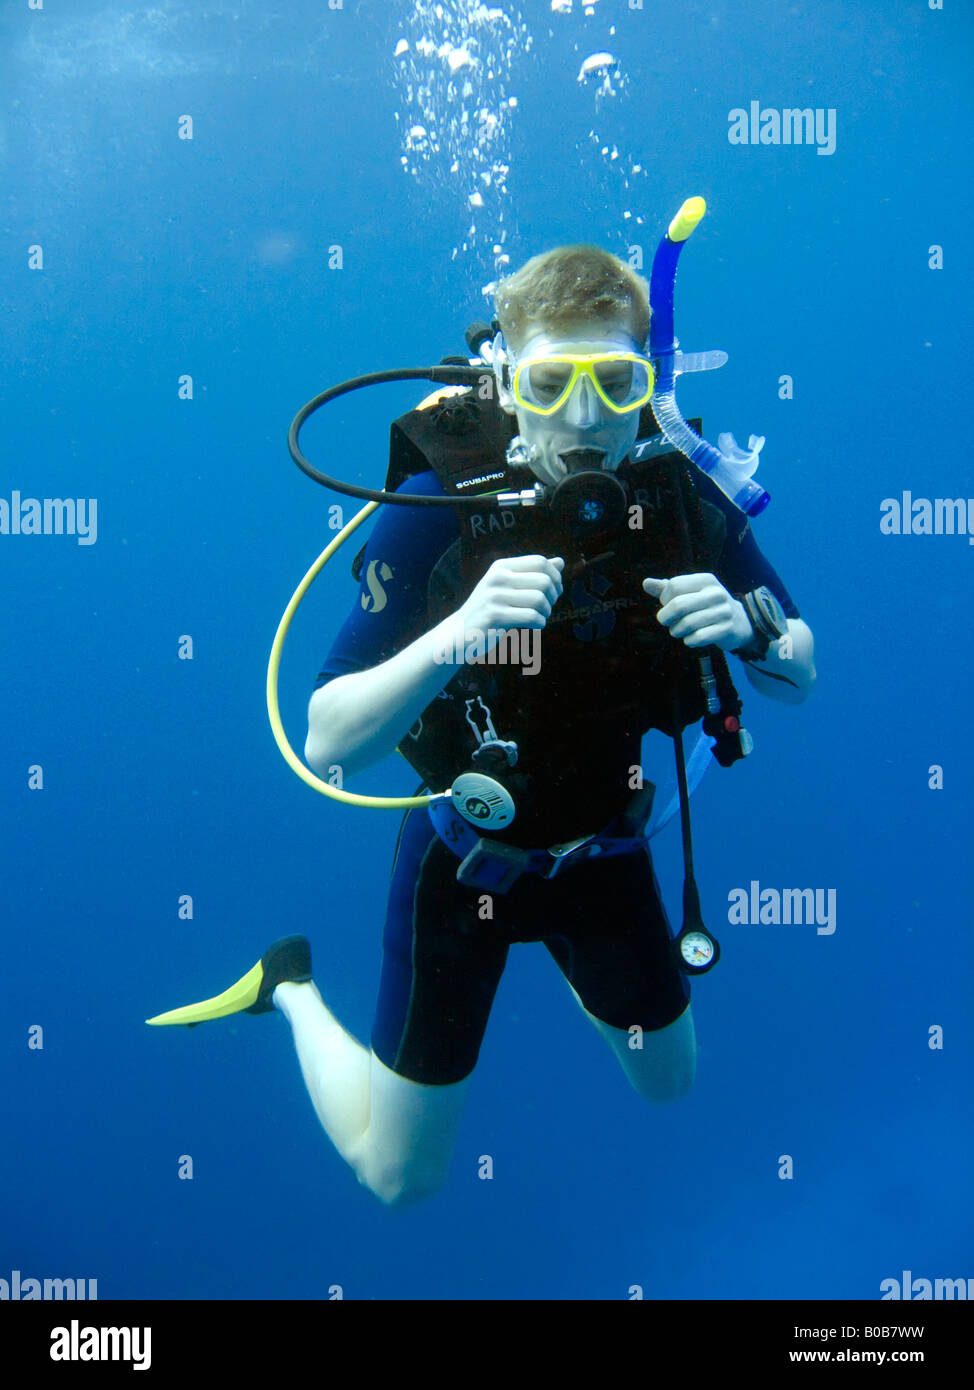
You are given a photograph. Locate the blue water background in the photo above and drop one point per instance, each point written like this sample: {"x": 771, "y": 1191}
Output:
{"x": 161, "y": 777}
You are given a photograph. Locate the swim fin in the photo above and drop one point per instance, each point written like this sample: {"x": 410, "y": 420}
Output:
{"x": 287, "y": 959}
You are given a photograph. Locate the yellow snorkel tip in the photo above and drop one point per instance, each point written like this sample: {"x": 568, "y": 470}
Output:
{"x": 686, "y": 219}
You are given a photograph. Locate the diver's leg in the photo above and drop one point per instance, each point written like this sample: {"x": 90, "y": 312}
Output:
{"x": 614, "y": 948}
{"x": 336, "y": 1068}
{"x": 406, "y": 1151}
{"x": 392, "y": 1112}
{"x": 397, "y": 1135}
{"x": 660, "y": 1065}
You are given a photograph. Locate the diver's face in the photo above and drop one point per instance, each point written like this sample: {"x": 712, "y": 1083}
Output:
{"x": 584, "y": 421}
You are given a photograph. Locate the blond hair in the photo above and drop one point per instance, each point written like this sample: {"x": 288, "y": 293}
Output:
{"x": 569, "y": 284}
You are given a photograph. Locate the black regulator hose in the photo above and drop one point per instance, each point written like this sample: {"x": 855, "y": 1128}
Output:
{"x": 447, "y": 375}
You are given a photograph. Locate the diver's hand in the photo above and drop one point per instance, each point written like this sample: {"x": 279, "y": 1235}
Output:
{"x": 516, "y": 592}
{"x": 698, "y": 609}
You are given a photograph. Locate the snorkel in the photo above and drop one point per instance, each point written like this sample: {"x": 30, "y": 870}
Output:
{"x": 730, "y": 466}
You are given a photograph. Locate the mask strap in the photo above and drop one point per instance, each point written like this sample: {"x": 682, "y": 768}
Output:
{"x": 501, "y": 361}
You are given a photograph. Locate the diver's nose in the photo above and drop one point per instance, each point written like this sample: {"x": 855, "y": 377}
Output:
{"x": 583, "y": 408}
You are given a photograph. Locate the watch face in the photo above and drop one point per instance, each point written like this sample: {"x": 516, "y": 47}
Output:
{"x": 771, "y": 611}
{"x": 696, "y": 948}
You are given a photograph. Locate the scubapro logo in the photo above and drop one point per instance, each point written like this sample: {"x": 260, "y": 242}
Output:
{"x": 377, "y": 573}
{"x": 601, "y": 617}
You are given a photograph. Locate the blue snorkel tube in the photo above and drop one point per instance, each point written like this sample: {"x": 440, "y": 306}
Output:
{"x": 730, "y": 466}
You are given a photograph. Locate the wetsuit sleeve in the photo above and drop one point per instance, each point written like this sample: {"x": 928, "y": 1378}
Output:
{"x": 390, "y": 609}
{"x": 742, "y": 566}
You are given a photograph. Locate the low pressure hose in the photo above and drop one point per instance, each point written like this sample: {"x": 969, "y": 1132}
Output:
{"x": 273, "y": 670}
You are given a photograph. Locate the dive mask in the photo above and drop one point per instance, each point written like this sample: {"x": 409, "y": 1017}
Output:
{"x": 623, "y": 381}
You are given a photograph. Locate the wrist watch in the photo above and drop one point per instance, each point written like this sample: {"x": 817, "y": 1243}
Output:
{"x": 768, "y": 621}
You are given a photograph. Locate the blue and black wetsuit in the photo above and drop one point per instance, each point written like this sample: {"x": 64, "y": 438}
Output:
{"x": 602, "y": 921}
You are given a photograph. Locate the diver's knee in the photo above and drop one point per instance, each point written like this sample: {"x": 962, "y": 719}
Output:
{"x": 667, "y": 1087}
{"x": 404, "y": 1155}
{"x": 401, "y": 1180}
{"x": 397, "y": 1189}
{"x": 403, "y": 1197}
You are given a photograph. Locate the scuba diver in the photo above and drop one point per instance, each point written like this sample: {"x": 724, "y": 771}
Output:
{"x": 563, "y": 566}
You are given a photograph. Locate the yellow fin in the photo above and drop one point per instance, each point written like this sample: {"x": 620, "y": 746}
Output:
{"x": 232, "y": 1001}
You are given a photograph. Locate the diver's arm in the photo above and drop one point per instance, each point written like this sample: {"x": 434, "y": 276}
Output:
{"x": 788, "y": 670}
{"x": 699, "y": 611}
{"x": 358, "y": 719}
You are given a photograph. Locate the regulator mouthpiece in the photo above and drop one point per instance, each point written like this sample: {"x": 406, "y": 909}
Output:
{"x": 583, "y": 460}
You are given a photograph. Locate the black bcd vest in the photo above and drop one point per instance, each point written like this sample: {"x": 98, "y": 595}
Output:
{"x": 606, "y": 670}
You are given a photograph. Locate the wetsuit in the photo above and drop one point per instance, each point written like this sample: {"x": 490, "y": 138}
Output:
{"x": 603, "y": 922}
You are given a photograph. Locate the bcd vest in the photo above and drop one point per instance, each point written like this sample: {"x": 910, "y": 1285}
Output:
{"x": 578, "y": 696}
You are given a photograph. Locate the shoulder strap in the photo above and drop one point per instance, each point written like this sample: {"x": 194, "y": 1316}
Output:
{"x": 458, "y": 435}
{"x": 461, "y": 437}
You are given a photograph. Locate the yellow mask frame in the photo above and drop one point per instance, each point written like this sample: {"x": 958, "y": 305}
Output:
{"x": 581, "y": 364}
